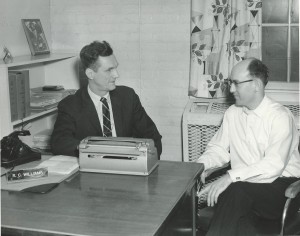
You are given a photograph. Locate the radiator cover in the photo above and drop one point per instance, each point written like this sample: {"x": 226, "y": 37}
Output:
{"x": 203, "y": 117}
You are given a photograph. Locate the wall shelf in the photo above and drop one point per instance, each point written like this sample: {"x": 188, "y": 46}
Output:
{"x": 47, "y": 69}
{"x": 28, "y": 59}
{"x": 33, "y": 116}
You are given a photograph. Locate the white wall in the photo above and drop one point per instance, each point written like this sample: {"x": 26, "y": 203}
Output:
{"x": 11, "y": 31}
{"x": 150, "y": 39}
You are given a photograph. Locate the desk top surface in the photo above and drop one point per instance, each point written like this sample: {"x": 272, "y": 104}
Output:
{"x": 102, "y": 204}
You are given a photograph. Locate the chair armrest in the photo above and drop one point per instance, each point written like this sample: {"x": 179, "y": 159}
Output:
{"x": 293, "y": 189}
{"x": 213, "y": 174}
{"x": 217, "y": 172}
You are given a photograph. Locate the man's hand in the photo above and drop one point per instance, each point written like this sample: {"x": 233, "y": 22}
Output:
{"x": 214, "y": 189}
{"x": 203, "y": 176}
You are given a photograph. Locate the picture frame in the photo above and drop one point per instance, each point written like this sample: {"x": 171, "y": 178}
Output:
{"x": 35, "y": 36}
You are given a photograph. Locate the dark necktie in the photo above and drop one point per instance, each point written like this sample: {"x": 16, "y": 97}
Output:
{"x": 106, "y": 118}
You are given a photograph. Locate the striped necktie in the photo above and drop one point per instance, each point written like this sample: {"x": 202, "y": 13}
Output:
{"x": 106, "y": 118}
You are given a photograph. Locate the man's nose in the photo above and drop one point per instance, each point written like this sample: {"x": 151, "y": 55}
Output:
{"x": 114, "y": 73}
{"x": 232, "y": 88}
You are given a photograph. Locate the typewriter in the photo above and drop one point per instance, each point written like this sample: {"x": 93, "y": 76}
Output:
{"x": 117, "y": 155}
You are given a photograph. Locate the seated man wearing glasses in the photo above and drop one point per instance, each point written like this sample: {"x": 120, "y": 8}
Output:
{"x": 258, "y": 136}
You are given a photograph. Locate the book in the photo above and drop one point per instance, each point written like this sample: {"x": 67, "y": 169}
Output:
{"x": 22, "y": 94}
{"x": 12, "y": 81}
{"x": 27, "y": 91}
{"x": 53, "y": 87}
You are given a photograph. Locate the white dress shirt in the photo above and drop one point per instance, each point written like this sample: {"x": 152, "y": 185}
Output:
{"x": 263, "y": 143}
{"x": 98, "y": 105}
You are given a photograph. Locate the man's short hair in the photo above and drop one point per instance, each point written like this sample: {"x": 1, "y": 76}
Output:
{"x": 89, "y": 54}
{"x": 258, "y": 70}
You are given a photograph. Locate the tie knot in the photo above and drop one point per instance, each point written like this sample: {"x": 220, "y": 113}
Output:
{"x": 103, "y": 99}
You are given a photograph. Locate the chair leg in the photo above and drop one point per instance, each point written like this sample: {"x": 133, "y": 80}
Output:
{"x": 285, "y": 209}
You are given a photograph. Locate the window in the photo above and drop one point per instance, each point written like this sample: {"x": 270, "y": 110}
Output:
{"x": 280, "y": 40}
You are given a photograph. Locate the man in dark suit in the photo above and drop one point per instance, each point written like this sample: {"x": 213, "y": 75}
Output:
{"x": 84, "y": 113}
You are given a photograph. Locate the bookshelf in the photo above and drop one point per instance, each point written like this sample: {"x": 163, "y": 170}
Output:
{"x": 48, "y": 69}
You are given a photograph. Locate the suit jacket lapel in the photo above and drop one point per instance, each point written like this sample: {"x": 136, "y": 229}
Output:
{"x": 90, "y": 111}
{"x": 117, "y": 111}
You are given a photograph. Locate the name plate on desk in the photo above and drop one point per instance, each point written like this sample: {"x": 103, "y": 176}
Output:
{"x": 26, "y": 174}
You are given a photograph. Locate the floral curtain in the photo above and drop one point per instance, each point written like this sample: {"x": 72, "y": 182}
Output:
{"x": 223, "y": 32}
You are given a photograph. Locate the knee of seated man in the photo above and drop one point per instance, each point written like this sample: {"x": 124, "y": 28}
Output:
{"x": 238, "y": 186}
{"x": 236, "y": 190}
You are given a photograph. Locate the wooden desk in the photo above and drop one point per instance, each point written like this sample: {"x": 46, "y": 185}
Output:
{"x": 102, "y": 204}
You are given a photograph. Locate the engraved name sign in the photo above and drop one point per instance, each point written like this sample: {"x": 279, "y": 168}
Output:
{"x": 26, "y": 174}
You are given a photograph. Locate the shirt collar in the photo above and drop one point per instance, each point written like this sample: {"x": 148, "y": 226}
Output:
{"x": 96, "y": 98}
{"x": 260, "y": 110}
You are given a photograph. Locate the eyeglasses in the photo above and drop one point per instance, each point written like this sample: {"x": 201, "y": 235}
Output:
{"x": 230, "y": 82}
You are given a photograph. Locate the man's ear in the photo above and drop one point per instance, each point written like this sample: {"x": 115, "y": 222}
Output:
{"x": 89, "y": 73}
{"x": 258, "y": 84}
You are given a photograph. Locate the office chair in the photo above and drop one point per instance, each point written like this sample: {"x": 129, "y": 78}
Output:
{"x": 289, "y": 224}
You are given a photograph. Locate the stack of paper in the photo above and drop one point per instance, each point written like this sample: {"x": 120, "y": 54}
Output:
{"x": 59, "y": 168}
{"x": 44, "y": 100}
{"x": 61, "y": 165}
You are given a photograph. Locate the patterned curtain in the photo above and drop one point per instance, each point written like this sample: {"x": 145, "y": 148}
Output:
{"x": 223, "y": 32}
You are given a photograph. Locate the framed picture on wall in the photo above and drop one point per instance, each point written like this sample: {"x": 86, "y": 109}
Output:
{"x": 35, "y": 36}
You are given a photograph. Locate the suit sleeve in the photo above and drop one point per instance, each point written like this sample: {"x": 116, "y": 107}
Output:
{"x": 63, "y": 141}
{"x": 144, "y": 127}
